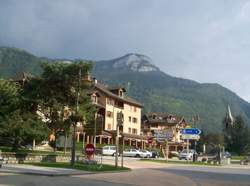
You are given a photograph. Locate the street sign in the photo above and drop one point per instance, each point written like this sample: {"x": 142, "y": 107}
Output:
{"x": 150, "y": 140}
{"x": 89, "y": 149}
{"x": 163, "y": 135}
{"x": 190, "y": 136}
{"x": 191, "y": 131}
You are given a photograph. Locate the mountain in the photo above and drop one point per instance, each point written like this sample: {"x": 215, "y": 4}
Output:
{"x": 158, "y": 91}
{"x": 164, "y": 93}
{"x": 14, "y": 61}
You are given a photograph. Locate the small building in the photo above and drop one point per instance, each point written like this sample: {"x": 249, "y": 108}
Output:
{"x": 169, "y": 124}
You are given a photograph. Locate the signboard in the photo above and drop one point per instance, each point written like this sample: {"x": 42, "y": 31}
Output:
{"x": 190, "y": 137}
{"x": 89, "y": 149}
{"x": 190, "y": 134}
{"x": 192, "y": 131}
{"x": 162, "y": 135}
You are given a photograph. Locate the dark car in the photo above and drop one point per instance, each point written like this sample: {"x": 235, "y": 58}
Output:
{"x": 155, "y": 154}
{"x": 246, "y": 160}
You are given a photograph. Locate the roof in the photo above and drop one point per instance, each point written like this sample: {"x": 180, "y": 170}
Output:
{"x": 126, "y": 99}
{"x": 163, "y": 118}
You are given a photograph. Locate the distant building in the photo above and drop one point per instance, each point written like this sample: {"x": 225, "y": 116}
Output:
{"x": 167, "y": 124}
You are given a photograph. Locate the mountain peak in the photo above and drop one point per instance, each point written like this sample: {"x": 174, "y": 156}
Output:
{"x": 135, "y": 62}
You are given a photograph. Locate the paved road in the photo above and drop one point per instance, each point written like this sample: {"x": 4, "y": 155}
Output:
{"x": 8, "y": 179}
{"x": 144, "y": 174}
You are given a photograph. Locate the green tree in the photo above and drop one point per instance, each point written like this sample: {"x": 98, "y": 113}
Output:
{"x": 18, "y": 125}
{"x": 59, "y": 88}
{"x": 236, "y": 136}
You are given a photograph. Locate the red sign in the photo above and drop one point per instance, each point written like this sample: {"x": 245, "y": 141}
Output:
{"x": 150, "y": 140}
{"x": 89, "y": 149}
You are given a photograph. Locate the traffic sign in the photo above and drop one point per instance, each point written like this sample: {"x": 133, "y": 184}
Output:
{"x": 150, "y": 140}
{"x": 89, "y": 149}
{"x": 191, "y": 131}
{"x": 190, "y": 136}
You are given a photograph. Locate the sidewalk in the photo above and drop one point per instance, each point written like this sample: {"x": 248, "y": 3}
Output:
{"x": 43, "y": 171}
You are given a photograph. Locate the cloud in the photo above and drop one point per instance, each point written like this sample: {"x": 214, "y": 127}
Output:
{"x": 202, "y": 40}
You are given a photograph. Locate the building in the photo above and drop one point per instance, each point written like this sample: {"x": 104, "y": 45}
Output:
{"x": 168, "y": 125}
{"x": 110, "y": 101}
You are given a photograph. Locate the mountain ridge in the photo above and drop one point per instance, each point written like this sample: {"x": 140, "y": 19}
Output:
{"x": 158, "y": 91}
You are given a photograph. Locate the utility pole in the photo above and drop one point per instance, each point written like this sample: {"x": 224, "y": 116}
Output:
{"x": 73, "y": 153}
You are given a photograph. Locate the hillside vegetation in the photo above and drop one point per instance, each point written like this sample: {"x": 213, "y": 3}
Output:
{"x": 144, "y": 81}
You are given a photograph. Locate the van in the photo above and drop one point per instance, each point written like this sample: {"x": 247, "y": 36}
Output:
{"x": 109, "y": 150}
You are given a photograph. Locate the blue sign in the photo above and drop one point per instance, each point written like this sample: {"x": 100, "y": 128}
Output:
{"x": 193, "y": 131}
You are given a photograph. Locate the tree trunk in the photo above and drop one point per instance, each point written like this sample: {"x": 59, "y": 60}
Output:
{"x": 65, "y": 143}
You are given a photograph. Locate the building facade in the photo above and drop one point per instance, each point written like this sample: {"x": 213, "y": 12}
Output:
{"x": 110, "y": 101}
{"x": 168, "y": 126}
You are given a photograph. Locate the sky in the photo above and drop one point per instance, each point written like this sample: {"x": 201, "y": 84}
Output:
{"x": 207, "y": 41}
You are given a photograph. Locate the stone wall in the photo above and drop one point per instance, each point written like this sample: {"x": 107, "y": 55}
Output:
{"x": 15, "y": 158}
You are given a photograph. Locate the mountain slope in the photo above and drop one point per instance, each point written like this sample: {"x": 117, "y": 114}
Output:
{"x": 145, "y": 82}
{"x": 14, "y": 61}
{"x": 163, "y": 93}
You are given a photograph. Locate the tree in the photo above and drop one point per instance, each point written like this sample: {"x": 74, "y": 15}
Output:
{"x": 61, "y": 87}
{"x": 236, "y": 136}
{"x": 18, "y": 124}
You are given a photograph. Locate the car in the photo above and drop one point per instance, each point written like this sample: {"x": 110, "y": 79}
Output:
{"x": 1, "y": 159}
{"x": 155, "y": 154}
{"x": 132, "y": 153}
{"x": 187, "y": 155}
{"x": 109, "y": 150}
{"x": 226, "y": 154}
{"x": 146, "y": 154}
{"x": 246, "y": 160}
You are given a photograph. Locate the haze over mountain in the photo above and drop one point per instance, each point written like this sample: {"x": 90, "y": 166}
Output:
{"x": 158, "y": 91}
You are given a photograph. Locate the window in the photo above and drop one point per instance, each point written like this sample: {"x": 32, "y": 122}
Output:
{"x": 109, "y": 126}
{"x": 129, "y": 130}
{"x": 134, "y": 109}
{"x": 110, "y": 101}
{"x": 94, "y": 99}
{"x": 134, "y": 120}
{"x": 109, "y": 114}
{"x": 134, "y": 131}
{"x": 129, "y": 119}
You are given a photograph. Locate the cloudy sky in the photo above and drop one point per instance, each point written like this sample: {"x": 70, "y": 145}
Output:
{"x": 207, "y": 41}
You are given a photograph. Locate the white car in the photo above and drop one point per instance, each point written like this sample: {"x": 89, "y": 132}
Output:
{"x": 1, "y": 159}
{"x": 187, "y": 155}
{"x": 146, "y": 154}
{"x": 109, "y": 150}
{"x": 132, "y": 153}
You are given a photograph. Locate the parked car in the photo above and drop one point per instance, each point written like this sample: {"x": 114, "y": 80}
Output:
{"x": 155, "y": 154}
{"x": 109, "y": 150}
{"x": 132, "y": 153}
{"x": 226, "y": 154}
{"x": 187, "y": 155}
{"x": 246, "y": 160}
{"x": 1, "y": 159}
{"x": 146, "y": 154}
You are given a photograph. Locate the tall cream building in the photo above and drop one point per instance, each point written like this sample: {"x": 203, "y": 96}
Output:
{"x": 109, "y": 102}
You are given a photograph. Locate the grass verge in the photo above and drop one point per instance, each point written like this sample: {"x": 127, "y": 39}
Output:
{"x": 180, "y": 162}
{"x": 81, "y": 166}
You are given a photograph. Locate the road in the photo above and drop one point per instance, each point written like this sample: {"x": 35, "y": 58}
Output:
{"x": 144, "y": 174}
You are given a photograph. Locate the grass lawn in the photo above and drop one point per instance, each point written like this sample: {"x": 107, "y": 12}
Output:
{"x": 179, "y": 162}
{"x": 80, "y": 166}
{"x": 237, "y": 157}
